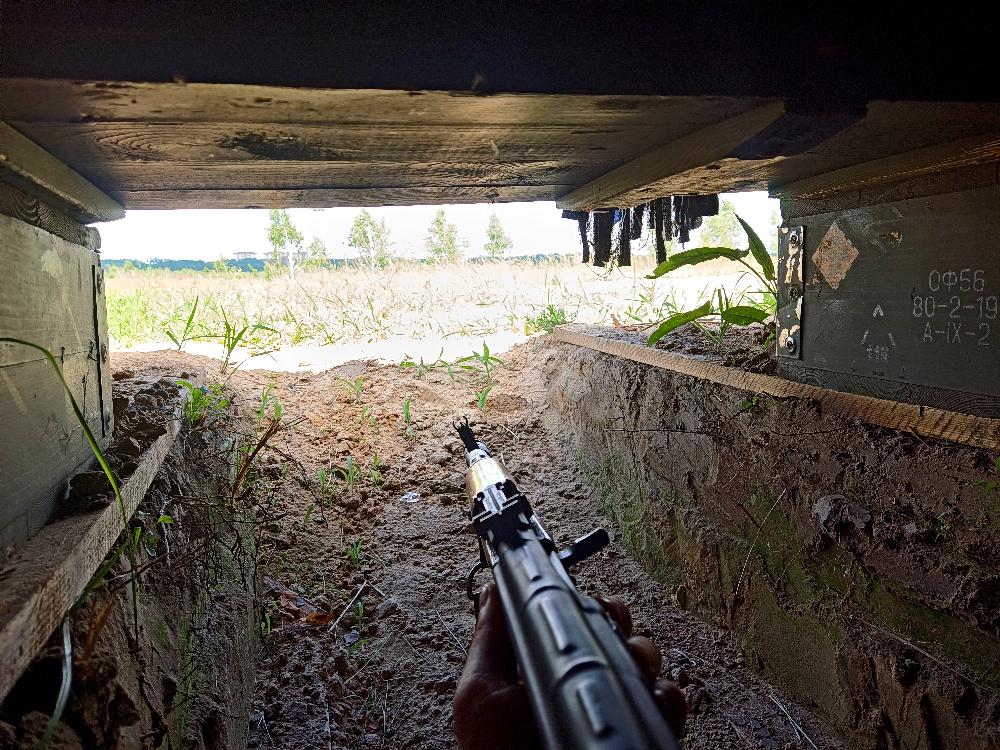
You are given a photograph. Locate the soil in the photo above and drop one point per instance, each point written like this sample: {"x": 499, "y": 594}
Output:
{"x": 333, "y": 674}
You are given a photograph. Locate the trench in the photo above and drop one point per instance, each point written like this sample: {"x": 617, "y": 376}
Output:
{"x": 810, "y": 582}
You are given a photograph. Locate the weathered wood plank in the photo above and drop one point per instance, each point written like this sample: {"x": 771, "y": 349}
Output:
{"x": 298, "y": 175}
{"x": 640, "y": 179}
{"x": 27, "y": 208}
{"x": 32, "y": 99}
{"x": 920, "y": 420}
{"x": 87, "y": 144}
{"x": 323, "y": 198}
{"x": 966, "y": 152}
{"x": 47, "y": 296}
{"x": 50, "y": 573}
{"x": 30, "y": 168}
{"x": 42, "y": 443}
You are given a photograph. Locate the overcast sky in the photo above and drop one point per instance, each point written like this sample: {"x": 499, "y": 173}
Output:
{"x": 210, "y": 234}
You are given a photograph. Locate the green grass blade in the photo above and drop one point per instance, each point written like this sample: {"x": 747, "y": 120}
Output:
{"x": 744, "y": 315}
{"x": 758, "y": 251}
{"x": 693, "y": 257}
{"x": 677, "y": 320}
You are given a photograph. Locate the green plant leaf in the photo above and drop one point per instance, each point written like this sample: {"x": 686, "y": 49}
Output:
{"x": 677, "y": 320}
{"x": 758, "y": 251}
{"x": 694, "y": 256}
{"x": 744, "y": 315}
{"x": 164, "y": 519}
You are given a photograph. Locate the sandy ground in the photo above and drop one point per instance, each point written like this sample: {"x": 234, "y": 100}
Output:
{"x": 333, "y": 675}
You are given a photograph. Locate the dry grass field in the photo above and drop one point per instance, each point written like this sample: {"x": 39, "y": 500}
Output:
{"x": 414, "y": 310}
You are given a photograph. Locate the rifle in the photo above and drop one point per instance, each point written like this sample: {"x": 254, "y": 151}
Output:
{"x": 585, "y": 690}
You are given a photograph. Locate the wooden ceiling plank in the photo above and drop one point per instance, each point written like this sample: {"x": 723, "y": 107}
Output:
{"x": 56, "y": 100}
{"x": 296, "y": 175}
{"x": 981, "y": 149}
{"x": 636, "y": 181}
{"x": 28, "y": 167}
{"x": 329, "y": 198}
{"x": 87, "y": 144}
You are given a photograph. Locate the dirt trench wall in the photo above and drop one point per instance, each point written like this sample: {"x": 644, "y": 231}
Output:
{"x": 856, "y": 565}
{"x": 168, "y": 664}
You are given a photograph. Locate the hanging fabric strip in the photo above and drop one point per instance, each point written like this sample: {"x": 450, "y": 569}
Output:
{"x": 602, "y": 221}
{"x": 625, "y": 238}
{"x": 637, "y": 214}
{"x": 661, "y": 246}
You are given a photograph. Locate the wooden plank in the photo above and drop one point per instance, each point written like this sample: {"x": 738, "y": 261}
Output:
{"x": 920, "y": 420}
{"x": 30, "y": 168}
{"x": 638, "y": 181}
{"x": 324, "y": 198}
{"x": 46, "y": 578}
{"x": 42, "y": 442}
{"x": 87, "y": 144}
{"x": 47, "y": 296}
{"x": 37, "y": 99}
{"x": 966, "y": 152}
{"x": 299, "y": 175}
{"x": 27, "y": 208}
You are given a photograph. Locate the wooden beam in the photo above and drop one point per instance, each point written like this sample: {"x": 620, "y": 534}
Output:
{"x": 325, "y": 198}
{"x": 962, "y": 153}
{"x": 86, "y": 144}
{"x": 299, "y": 175}
{"x": 920, "y": 420}
{"x": 52, "y": 100}
{"x": 27, "y": 208}
{"x": 636, "y": 181}
{"x": 43, "y": 582}
{"x": 28, "y": 167}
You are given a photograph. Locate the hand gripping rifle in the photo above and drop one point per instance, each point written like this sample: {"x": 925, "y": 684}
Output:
{"x": 585, "y": 690}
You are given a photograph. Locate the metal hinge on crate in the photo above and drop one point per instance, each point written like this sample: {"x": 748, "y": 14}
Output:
{"x": 791, "y": 241}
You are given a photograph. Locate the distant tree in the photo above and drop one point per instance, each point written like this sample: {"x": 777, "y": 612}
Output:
{"x": 285, "y": 239}
{"x": 723, "y": 229}
{"x": 498, "y": 244}
{"x": 316, "y": 254}
{"x": 370, "y": 237}
{"x": 442, "y": 241}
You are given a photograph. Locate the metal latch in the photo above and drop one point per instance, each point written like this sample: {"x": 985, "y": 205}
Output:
{"x": 791, "y": 241}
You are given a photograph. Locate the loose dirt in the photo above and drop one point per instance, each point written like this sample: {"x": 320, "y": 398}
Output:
{"x": 364, "y": 615}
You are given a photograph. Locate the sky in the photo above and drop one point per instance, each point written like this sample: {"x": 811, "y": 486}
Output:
{"x": 212, "y": 234}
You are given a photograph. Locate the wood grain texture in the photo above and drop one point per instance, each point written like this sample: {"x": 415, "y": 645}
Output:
{"x": 49, "y": 574}
{"x": 966, "y": 152}
{"x": 642, "y": 178}
{"x": 47, "y": 296}
{"x": 300, "y": 175}
{"x": 28, "y": 167}
{"x": 920, "y": 420}
{"x": 323, "y": 197}
{"x": 96, "y": 143}
{"x": 27, "y": 208}
{"x": 53, "y": 100}
{"x": 42, "y": 443}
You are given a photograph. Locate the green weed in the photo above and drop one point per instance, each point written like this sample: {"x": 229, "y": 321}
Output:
{"x": 186, "y": 334}
{"x": 546, "y": 320}
{"x": 354, "y": 389}
{"x": 353, "y": 552}
{"x": 349, "y": 473}
{"x": 482, "y": 394}
{"x": 202, "y": 401}
{"x": 408, "y": 429}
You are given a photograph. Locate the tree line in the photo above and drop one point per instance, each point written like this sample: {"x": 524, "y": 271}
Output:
{"x": 372, "y": 240}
